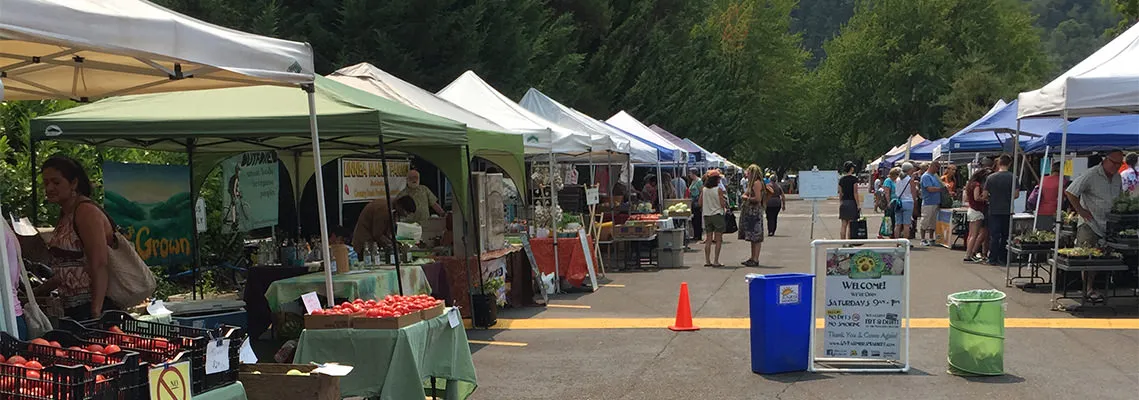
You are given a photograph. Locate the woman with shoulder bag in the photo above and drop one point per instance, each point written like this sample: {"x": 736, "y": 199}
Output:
{"x": 81, "y": 243}
{"x": 713, "y": 204}
{"x": 752, "y": 207}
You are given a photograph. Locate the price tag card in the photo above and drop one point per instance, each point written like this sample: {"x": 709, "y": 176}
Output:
{"x": 246, "y": 356}
{"x": 312, "y": 303}
{"x": 217, "y": 356}
{"x": 453, "y": 317}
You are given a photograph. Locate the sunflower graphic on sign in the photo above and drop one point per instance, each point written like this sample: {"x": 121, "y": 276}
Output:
{"x": 866, "y": 264}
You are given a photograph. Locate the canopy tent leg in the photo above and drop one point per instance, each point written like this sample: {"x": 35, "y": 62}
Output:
{"x": 660, "y": 189}
{"x": 320, "y": 204}
{"x": 194, "y": 237}
{"x": 391, "y": 215}
{"x": 1012, "y": 197}
{"x": 468, "y": 221}
{"x": 554, "y": 223}
{"x": 1059, "y": 203}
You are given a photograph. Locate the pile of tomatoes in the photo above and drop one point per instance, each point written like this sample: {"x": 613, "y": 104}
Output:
{"x": 644, "y": 217}
{"x": 39, "y": 381}
{"x": 392, "y": 306}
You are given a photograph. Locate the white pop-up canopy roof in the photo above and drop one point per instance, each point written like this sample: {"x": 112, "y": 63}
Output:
{"x": 469, "y": 91}
{"x": 1105, "y": 83}
{"x": 626, "y": 122}
{"x": 88, "y": 49}
{"x": 604, "y": 138}
{"x": 367, "y": 77}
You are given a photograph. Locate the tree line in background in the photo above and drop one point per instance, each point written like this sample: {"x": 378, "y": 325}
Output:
{"x": 782, "y": 83}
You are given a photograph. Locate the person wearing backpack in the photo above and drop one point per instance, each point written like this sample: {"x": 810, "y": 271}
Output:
{"x": 931, "y": 192}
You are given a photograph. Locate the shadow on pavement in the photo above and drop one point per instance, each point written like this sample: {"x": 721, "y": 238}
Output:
{"x": 1001, "y": 379}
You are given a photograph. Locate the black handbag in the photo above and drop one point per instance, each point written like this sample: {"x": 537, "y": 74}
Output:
{"x": 858, "y": 229}
{"x": 731, "y": 225}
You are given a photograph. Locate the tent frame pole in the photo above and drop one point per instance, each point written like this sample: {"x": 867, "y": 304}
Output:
{"x": 310, "y": 89}
{"x": 553, "y": 222}
{"x": 1012, "y": 196}
{"x": 34, "y": 206}
{"x": 1060, "y": 202}
{"x": 469, "y": 219}
{"x": 195, "y": 242}
{"x": 1036, "y": 215}
{"x": 391, "y": 214}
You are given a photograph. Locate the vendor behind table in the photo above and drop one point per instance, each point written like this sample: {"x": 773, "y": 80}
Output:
{"x": 425, "y": 200}
{"x": 375, "y": 225}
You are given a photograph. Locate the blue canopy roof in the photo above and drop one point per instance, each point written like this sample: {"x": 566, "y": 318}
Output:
{"x": 695, "y": 154}
{"x": 921, "y": 152}
{"x": 663, "y": 153}
{"x": 1004, "y": 121}
{"x": 1092, "y": 134}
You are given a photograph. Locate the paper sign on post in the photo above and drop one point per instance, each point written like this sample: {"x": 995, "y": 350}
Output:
{"x": 312, "y": 303}
{"x": 453, "y": 317}
{"x": 217, "y": 356}
{"x": 592, "y": 196}
{"x": 246, "y": 355}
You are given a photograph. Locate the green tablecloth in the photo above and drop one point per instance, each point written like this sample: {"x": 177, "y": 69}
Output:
{"x": 394, "y": 364}
{"x": 363, "y": 285}
{"x": 234, "y": 391}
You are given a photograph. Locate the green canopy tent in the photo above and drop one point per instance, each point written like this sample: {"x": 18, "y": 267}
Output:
{"x": 211, "y": 125}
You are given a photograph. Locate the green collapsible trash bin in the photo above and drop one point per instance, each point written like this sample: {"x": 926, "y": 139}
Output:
{"x": 977, "y": 332}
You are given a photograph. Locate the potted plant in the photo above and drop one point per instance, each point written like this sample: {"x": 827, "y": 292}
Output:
{"x": 484, "y": 305}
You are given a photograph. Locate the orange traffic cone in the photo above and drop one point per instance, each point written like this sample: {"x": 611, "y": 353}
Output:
{"x": 684, "y": 312}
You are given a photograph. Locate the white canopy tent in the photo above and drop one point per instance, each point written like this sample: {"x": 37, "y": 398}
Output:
{"x": 1105, "y": 83}
{"x": 469, "y": 91}
{"x": 632, "y": 126}
{"x": 553, "y": 111}
{"x": 89, "y": 49}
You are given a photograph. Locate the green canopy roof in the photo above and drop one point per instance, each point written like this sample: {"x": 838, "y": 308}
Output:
{"x": 242, "y": 119}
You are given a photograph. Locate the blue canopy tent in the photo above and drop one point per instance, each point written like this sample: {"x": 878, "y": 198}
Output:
{"x": 695, "y": 154}
{"x": 971, "y": 139}
{"x": 1092, "y": 134}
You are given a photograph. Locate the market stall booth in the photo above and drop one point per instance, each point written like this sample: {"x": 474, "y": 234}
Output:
{"x": 214, "y": 125}
{"x": 1104, "y": 84}
{"x": 546, "y": 145}
{"x": 116, "y": 47}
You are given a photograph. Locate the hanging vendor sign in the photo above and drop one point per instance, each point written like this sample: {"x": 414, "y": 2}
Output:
{"x": 252, "y": 189}
{"x": 865, "y": 303}
{"x": 151, "y": 205}
{"x": 362, "y": 179}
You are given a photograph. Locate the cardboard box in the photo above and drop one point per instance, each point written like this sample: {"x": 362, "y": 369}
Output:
{"x": 272, "y": 383}
{"x": 432, "y": 312}
{"x": 634, "y": 230}
{"x": 328, "y": 322}
{"x": 385, "y": 323}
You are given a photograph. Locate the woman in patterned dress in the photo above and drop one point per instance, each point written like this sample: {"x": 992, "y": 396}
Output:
{"x": 81, "y": 242}
{"x": 752, "y": 207}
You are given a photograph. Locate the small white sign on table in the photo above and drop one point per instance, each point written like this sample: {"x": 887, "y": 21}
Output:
{"x": 312, "y": 302}
{"x": 217, "y": 356}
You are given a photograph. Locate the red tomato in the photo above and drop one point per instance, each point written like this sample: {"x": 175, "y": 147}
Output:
{"x": 33, "y": 365}
{"x": 61, "y": 353}
{"x": 94, "y": 348}
{"x": 111, "y": 349}
{"x": 358, "y": 301}
{"x": 76, "y": 348}
{"x": 318, "y": 312}
{"x": 40, "y": 341}
{"x": 100, "y": 378}
{"x": 54, "y": 344}
{"x": 32, "y": 374}
{"x": 161, "y": 343}
{"x": 2, "y": 359}
{"x": 99, "y": 359}
{"x": 345, "y": 305}
{"x": 17, "y": 360}
{"x": 373, "y": 313}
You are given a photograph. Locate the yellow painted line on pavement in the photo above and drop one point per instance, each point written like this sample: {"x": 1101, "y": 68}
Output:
{"x": 497, "y": 343}
{"x": 578, "y": 306}
{"x": 614, "y": 285}
{"x": 745, "y": 323}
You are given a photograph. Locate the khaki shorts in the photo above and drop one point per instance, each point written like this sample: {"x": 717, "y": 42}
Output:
{"x": 929, "y": 218}
{"x": 1086, "y": 237}
{"x": 715, "y": 223}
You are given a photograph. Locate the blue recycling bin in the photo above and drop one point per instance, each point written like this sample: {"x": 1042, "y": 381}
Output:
{"x": 780, "y": 322}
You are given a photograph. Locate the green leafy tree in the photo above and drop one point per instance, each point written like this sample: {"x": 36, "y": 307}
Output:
{"x": 924, "y": 67}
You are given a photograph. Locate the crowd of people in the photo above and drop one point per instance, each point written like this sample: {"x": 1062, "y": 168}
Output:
{"x": 913, "y": 195}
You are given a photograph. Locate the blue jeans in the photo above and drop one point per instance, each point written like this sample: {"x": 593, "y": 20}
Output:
{"x": 998, "y": 238}
{"x": 904, "y": 216}
{"x": 22, "y": 327}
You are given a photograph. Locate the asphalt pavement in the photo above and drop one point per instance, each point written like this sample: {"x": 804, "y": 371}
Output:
{"x": 613, "y": 344}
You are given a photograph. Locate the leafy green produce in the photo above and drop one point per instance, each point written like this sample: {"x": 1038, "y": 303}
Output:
{"x": 1125, "y": 204}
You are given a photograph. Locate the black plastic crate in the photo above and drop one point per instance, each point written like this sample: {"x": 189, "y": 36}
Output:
{"x": 176, "y": 349}
{"x": 133, "y": 384}
{"x": 129, "y": 324}
{"x": 66, "y": 375}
